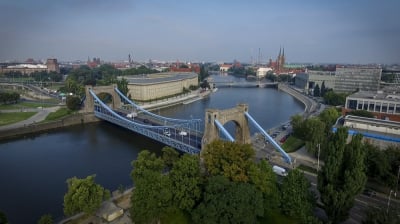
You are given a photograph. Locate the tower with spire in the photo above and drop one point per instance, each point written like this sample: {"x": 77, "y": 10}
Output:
{"x": 280, "y": 61}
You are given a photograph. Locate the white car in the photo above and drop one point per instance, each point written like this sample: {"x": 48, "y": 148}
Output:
{"x": 166, "y": 132}
{"x": 183, "y": 133}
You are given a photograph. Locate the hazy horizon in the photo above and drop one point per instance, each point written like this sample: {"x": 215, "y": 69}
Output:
{"x": 354, "y": 31}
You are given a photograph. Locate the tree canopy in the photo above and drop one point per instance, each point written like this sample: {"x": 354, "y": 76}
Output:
{"x": 343, "y": 175}
{"x": 228, "y": 159}
{"x": 84, "y": 195}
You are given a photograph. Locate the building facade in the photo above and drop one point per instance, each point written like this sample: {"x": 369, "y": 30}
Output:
{"x": 310, "y": 79}
{"x": 383, "y": 105}
{"x": 27, "y": 69}
{"x": 159, "y": 85}
{"x": 353, "y": 78}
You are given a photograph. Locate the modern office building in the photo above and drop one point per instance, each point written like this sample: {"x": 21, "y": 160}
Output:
{"x": 307, "y": 81}
{"x": 383, "y": 105}
{"x": 159, "y": 85}
{"x": 353, "y": 78}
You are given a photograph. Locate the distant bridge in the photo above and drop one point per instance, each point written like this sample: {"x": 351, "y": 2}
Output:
{"x": 258, "y": 84}
{"x": 181, "y": 134}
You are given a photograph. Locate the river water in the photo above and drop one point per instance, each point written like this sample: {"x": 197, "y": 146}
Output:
{"x": 34, "y": 169}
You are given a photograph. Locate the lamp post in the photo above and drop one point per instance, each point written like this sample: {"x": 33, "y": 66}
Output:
{"x": 319, "y": 150}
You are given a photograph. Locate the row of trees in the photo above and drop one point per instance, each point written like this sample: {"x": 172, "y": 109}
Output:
{"x": 9, "y": 97}
{"x": 225, "y": 187}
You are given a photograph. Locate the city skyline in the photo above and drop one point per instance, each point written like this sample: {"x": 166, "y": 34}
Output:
{"x": 355, "y": 31}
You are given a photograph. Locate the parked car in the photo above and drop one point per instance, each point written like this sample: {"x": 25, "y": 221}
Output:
{"x": 146, "y": 121}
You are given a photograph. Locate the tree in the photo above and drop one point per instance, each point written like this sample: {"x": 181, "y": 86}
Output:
{"x": 152, "y": 195}
{"x": 264, "y": 179}
{"x": 46, "y": 219}
{"x": 329, "y": 117}
{"x": 122, "y": 85}
{"x": 380, "y": 216}
{"x": 317, "y": 91}
{"x": 186, "y": 182}
{"x": 84, "y": 195}
{"x": 343, "y": 175}
{"x": 314, "y": 134}
{"x": 297, "y": 199}
{"x": 228, "y": 159}
{"x": 169, "y": 156}
{"x": 228, "y": 202}
{"x": 297, "y": 122}
{"x": 323, "y": 89}
{"x": 73, "y": 102}
{"x": 334, "y": 99}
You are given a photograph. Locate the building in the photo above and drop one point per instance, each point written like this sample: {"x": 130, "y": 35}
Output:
{"x": 279, "y": 64}
{"x": 179, "y": 67}
{"x": 353, "y": 78}
{"x": 224, "y": 67}
{"x": 155, "y": 86}
{"x": 27, "y": 69}
{"x": 383, "y": 105}
{"x": 262, "y": 71}
{"x": 307, "y": 81}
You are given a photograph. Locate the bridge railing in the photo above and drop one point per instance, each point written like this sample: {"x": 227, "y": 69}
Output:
{"x": 270, "y": 139}
{"x": 102, "y": 111}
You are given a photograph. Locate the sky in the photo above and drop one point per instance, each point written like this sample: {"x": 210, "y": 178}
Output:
{"x": 310, "y": 31}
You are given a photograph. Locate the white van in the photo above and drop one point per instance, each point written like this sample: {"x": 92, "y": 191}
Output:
{"x": 280, "y": 171}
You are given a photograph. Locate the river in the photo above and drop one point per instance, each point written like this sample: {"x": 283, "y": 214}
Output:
{"x": 34, "y": 169}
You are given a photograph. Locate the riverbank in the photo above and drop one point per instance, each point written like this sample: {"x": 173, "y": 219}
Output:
{"x": 33, "y": 125}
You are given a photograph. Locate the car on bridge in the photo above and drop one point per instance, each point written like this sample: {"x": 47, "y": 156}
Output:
{"x": 183, "y": 133}
{"x": 166, "y": 132}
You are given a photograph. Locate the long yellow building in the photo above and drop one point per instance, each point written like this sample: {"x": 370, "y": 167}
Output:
{"x": 159, "y": 85}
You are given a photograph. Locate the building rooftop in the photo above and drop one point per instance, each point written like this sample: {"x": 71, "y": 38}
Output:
{"x": 158, "y": 77}
{"x": 376, "y": 95}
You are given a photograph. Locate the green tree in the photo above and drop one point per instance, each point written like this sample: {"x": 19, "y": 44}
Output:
{"x": 229, "y": 202}
{"x": 73, "y": 102}
{"x": 264, "y": 179}
{"x": 228, "y": 159}
{"x": 152, "y": 196}
{"x": 343, "y": 175}
{"x": 84, "y": 195}
{"x": 314, "y": 134}
{"x": 317, "y": 91}
{"x": 297, "y": 122}
{"x": 46, "y": 219}
{"x": 186, "y": 182}
{"x": 122, "y": 85}
{"x": 323, "y": 89}
{"x": 334, "y": 99}
{"x": 169, "y": 156}
{"x": 329, "y": 117}
{"x": 297, "y": 199}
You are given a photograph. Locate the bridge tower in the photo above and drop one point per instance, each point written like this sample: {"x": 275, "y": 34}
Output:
{"x": 89, "y": 103}
{"x": 237, "y": 115}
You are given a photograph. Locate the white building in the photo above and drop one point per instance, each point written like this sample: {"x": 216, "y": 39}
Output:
{"x": 262, "y": 71}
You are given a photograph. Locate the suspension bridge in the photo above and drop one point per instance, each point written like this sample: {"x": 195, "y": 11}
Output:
{"x": 181, "y": 134}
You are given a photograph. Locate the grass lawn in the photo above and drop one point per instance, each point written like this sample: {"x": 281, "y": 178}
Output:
{"x": 292, "y": 144}
{"x": 60, "y": 113}
{"x": 22, "y": 105}
{"x": 9, "y": 118}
